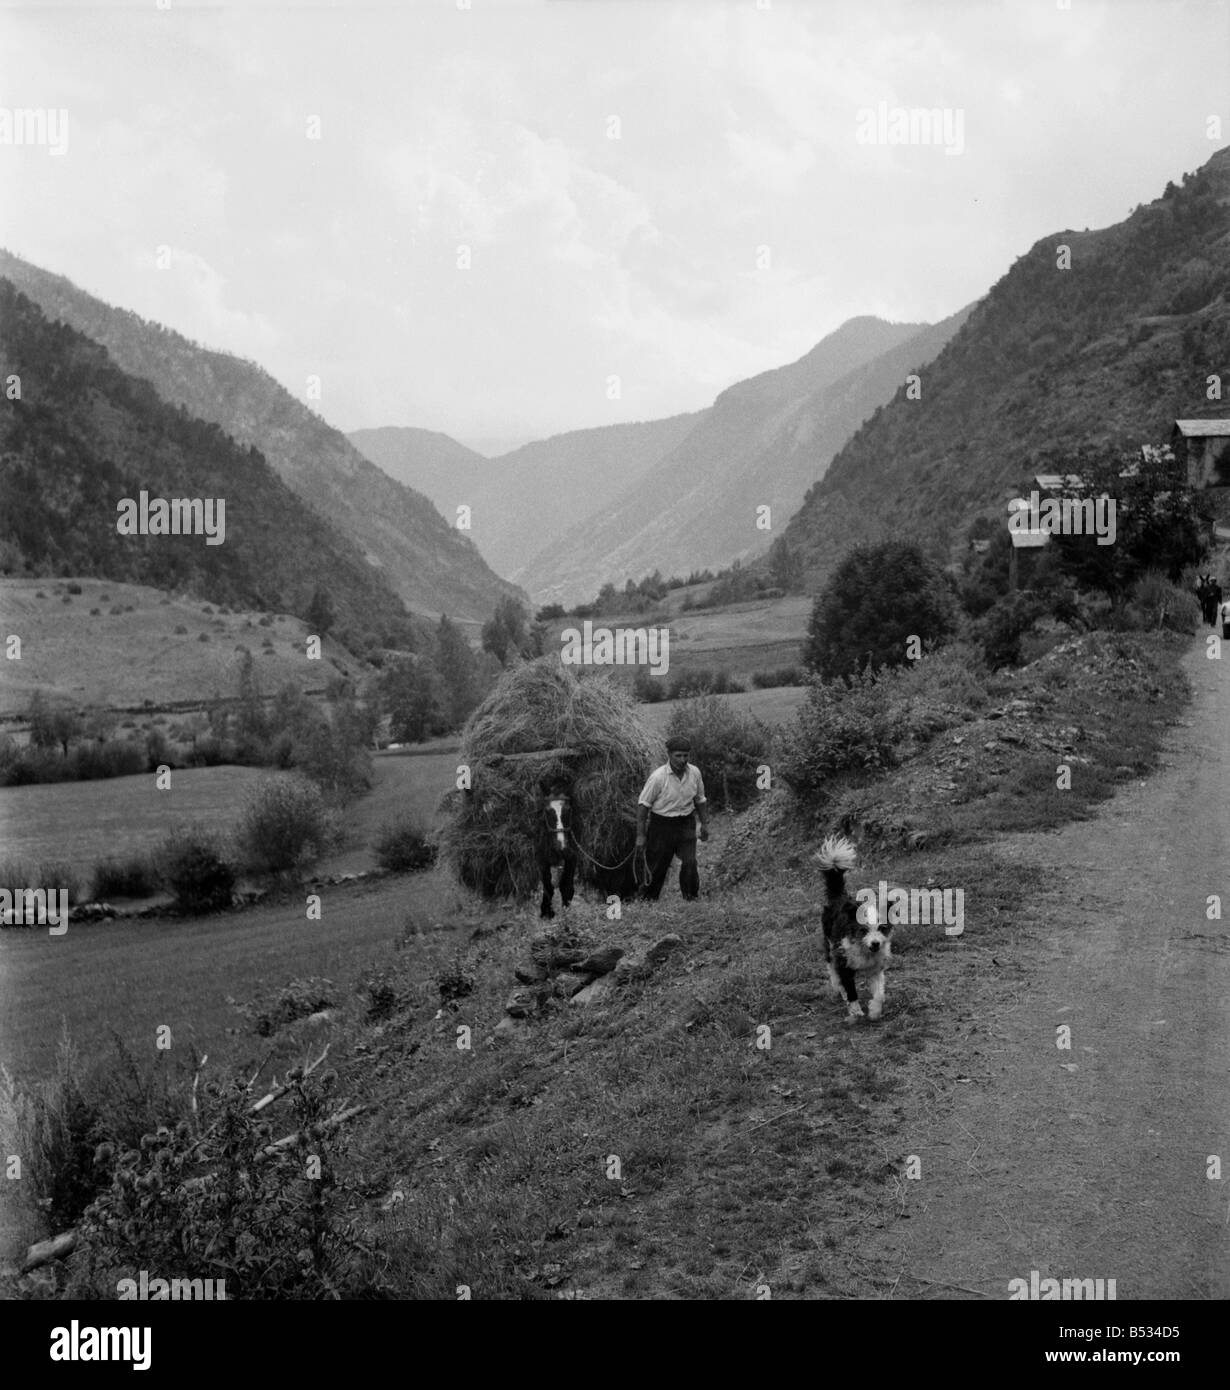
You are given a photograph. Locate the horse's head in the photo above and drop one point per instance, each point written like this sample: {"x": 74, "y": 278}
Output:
{"x": 557, "y": 814}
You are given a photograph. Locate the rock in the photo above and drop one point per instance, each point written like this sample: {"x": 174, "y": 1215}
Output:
{"x": 521, "y": 1003}
{"x": 631, "y": 968}
{"x": 566, "y": 957}
{"x": 601, "y": 962}
{"x": 531, "y": 974}
{"x": 662, "y": 948}
{"x": 567, "y": 984}
{"x": 594, "y": 991}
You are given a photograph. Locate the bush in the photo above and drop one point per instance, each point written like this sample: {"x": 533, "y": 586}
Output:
{"x": 701, "y": 681}
{"x": 74, "y": 588}
{"x": 784, "y": 675}
{"x": 216, "y": 1194}
{"x": 195, "y": 871}
{"x": 648, "y": 688}
{"x": 56, "y": 1126}
{"x": 1001, "y": 629}
{"x": 284, "y": 824}
{"x": 1164, "y": 605}
{"x": 404, "y": 848}
{"x": 727, "y": 745}
{"x": 134, "y": 877}
{"x": 299, "y": 999}
{"x": 844, "y": 726}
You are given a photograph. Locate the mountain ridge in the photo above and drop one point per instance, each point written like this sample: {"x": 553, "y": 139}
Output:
{"x": 430, "y": 565}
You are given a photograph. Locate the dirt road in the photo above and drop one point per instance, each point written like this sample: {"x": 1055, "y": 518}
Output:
{"x": 1093, "y": 1162}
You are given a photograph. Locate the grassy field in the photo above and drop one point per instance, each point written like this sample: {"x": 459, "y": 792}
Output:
{"x": 743, "y": 638}
{"x": 116, "y": 646}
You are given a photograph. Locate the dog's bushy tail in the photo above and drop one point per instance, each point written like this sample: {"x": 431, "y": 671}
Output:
{"x": 836, "y": 855}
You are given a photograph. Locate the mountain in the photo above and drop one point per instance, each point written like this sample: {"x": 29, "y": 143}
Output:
{"x": 85, "y": 435}
{"x": 431, "y": 565}
{"x": 761, "y": 443}
{"x": 432, "y": 463}
{"x": 1107, "y": 352}
{"x": 536, "y": 495}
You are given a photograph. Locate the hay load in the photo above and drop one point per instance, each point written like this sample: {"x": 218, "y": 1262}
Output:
{"x": 540, "y": 721}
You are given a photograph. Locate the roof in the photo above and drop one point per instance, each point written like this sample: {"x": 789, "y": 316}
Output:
{"x": 1203, "y": 429}
{"x": 1029, "y": 540}
{"x": 1054, "y": 480}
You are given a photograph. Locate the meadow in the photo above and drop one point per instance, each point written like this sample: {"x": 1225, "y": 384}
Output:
{"x": 132, "y": 647}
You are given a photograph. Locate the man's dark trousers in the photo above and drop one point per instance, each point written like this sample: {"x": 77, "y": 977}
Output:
{"x": 666, "y": 837}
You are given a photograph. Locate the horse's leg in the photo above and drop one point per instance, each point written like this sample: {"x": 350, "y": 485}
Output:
{"x": 548, "y": 888}
{"x": 566, "y": 879}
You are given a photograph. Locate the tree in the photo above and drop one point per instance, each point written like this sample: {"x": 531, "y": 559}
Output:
{"x": 1157, "y": 520}
{"x": 51, "y": 726}
{"x": 458, "y": 672}
{"x": 252, "y": 727}
{"x": 413, "y": 697}
{"x": 785, "y": 565}
{"x": 879, "y": 597}
{"x": 506, "y": 634}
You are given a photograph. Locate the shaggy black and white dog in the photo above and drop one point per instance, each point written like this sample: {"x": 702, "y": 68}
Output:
{"x": 856, "y": 944}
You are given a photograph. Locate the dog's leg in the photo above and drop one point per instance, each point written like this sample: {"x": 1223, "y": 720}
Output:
{"x": 834, "y": 982}
{"x": 850, "y": 989}
{"x": 876, "y": 1002}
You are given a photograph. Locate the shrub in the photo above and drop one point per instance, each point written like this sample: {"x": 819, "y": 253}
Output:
{"x": 844, "y": 726}
{"x": 74, "y": 588}
{"x": 133, "y": 877}
{"x": 784, "y": 675}
{"x": 298, "y": 999}
{"x": 1164, "y": 605}
{"x": 195, "y": 871}
{"x": 1001, "y": 629}
{"x": 381, "y": 989}
{"x": 648, "y": 688}
{"x": 727, "y": 745}
{"x": 454, "y": 982}
{"x": 181, "y": 630}
{"x": 217, "y": 1194}
{"x": 59, "y": 873}
{"x": 404, "y": 847}
{"x": 284, "y": 824}
{"x": 57, "y": 1125}
{"x": 701, "y": 681}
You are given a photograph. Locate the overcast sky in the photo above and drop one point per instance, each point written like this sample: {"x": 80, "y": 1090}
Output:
{"x": 591, "y": 257}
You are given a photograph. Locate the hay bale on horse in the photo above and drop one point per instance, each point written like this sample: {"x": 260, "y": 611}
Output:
{"x": 546, "y": 735}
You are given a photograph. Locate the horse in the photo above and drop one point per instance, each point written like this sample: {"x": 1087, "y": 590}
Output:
{"x": 555, "y": 844}
{"x": 1209, "y": 595}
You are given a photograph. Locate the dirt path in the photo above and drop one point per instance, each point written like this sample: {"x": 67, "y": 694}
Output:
{"x": 1092, "y": 1162}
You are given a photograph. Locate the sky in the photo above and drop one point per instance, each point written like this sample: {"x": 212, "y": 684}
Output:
{"x": 506, "y": 220}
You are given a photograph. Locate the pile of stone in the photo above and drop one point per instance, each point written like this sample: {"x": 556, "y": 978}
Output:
{"x": 562, "y": 967}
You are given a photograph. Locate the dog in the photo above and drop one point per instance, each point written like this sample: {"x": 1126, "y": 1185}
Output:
{"x": 856, "y": 944}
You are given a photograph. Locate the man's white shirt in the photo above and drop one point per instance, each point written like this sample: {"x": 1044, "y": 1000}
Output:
{"x": 668, "y": 795}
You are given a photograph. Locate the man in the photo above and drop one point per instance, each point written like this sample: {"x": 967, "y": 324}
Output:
{"x": 666, "y": 815}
